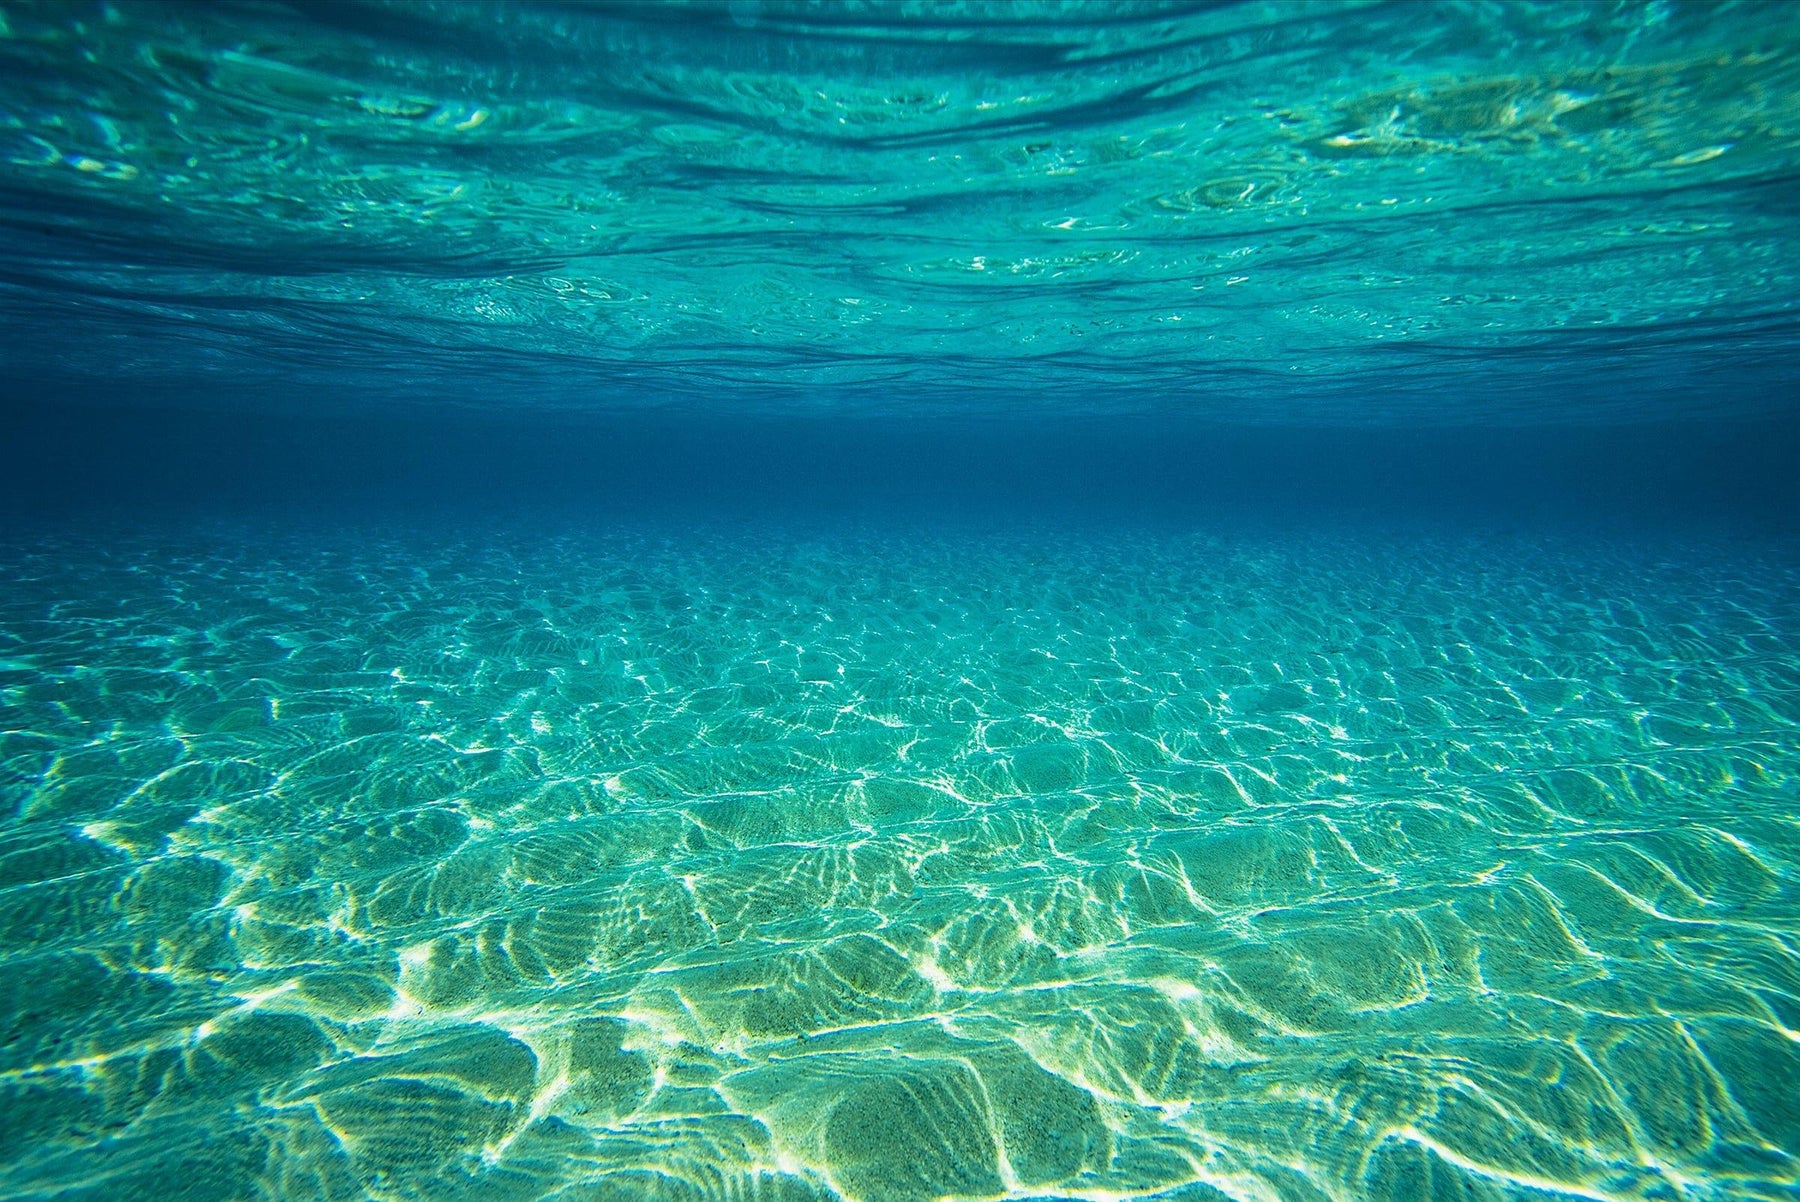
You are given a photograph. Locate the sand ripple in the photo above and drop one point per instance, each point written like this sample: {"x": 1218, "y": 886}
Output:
{"x": 896, "y": 868}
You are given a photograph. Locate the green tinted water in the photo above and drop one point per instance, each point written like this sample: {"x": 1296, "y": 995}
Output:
{"x": 890, "y": 869}
{"x": 1520, "y": 211}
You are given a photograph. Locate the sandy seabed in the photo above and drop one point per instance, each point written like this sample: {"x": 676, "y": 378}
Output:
{"x": 785, "y": 866}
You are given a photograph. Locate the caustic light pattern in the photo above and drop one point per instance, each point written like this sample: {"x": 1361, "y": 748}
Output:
{"x": 1178, "y": 868}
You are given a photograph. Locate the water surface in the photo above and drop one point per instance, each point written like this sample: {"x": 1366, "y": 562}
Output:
{"x": 1517, "y": 212}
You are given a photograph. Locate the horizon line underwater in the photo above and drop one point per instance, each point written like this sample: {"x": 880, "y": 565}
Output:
{"x": 899, "y": 601}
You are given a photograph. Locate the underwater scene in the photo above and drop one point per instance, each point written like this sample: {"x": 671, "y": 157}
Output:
{"x": 891, "y": 601}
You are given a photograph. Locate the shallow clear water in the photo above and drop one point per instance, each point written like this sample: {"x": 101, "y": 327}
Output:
{"x": 666, "y": 864}
{"x": 890, "y": 600}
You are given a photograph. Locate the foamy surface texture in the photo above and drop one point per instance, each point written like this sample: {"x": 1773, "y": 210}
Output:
{"x": 853, "y": 865}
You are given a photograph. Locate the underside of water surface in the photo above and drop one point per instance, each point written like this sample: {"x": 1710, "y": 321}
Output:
{"x": 887, "y": 602}
{"x": 1520, "y": 212}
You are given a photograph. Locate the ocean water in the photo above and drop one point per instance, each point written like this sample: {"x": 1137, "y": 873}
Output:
{"x": 884, "y": 602}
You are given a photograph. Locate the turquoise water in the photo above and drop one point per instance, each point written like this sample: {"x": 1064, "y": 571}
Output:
{"x": 899, "y": 601}
{"x": 1512, "y": 211}
{"x": 882, "y": 867}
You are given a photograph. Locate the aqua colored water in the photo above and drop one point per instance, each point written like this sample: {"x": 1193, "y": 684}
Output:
{"x": 883, "y": 602}
{"x": 1237, "y": 210}
{"x": 631, "y": 866}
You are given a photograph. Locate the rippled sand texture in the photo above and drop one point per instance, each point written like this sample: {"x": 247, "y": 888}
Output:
{"x": 1265, "y": 869}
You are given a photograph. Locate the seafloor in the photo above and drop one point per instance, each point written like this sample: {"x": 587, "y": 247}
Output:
{"x": 767, "y": 865}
